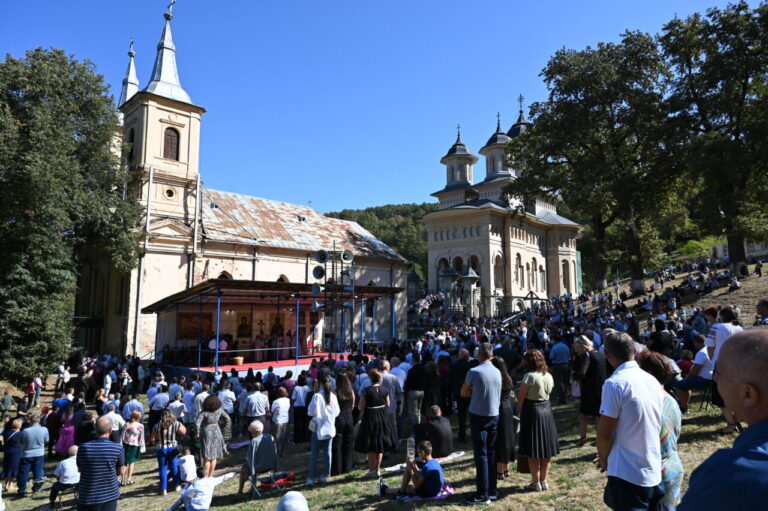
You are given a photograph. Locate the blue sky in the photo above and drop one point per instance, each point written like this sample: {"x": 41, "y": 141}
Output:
{"x": 344, "y": 104}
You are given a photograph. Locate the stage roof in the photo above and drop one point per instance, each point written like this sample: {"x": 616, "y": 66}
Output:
{"x": 251, "y": 292}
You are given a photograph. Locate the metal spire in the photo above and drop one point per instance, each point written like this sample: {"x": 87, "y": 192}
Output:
{"x": 498, "y": 122}
{"x": 520, "y": 100}
{"x": 458, "y": 134}
{"x": 131, "y": 81}
{"x": 165, "y": 76}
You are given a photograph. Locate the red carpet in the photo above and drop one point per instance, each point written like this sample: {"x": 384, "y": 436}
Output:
{"x": 262, "y": 366}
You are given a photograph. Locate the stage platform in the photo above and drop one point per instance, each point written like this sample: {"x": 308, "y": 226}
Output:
{"x": 280, "y": 367}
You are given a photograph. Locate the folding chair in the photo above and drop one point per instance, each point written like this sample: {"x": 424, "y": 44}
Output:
{"x": 706, "y": 399}
{"x": 69, "y": 491}
{"x": 263, "y": 462}
{"x": 270, "y": 478}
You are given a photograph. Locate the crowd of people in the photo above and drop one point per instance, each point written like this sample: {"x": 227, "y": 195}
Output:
{"x": 500, "y": 377}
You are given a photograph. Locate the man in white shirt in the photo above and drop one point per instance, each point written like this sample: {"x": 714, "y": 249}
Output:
{"x": 399, "y": 371}
{"x": 257, "y": 405}
{"x": 67, "y": 476}
{"x": 200, "y": 398}
{"x": 628, "y": 431}
{"x": 699, "y": 377}
{"x": 716, "y": 339}
{"x": 199, "y": 494}
{"x": 117, "y": 423}
{"x": 156, "y": 406}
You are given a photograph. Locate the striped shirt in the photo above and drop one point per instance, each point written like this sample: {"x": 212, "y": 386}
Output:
{"x": 98, "y": 462}
{"x": 166, "y": 437}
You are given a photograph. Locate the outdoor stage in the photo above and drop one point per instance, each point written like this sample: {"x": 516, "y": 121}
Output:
{"x": 279, "y": 368}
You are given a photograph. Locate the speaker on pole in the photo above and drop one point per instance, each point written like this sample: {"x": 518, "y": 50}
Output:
{"x": 347, "y": 256}
{"x": 321, "y": 257}
{"x": 317, "y": 289}
{"x": 318, "y": 272}
{"x": 317, "y": 305}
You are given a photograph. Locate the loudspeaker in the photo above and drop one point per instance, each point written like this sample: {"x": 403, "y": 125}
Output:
{"x": 317, "y": 289}
{"x": 322, "y": 257}
{"x": 347, "y": 256}
{"x": 317, "y": 305}
{"x": 318, "y": 272}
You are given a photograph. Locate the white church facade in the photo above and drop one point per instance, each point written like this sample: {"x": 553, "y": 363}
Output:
{"x": 487, "y": 257}
{"x": 191, "y": 234}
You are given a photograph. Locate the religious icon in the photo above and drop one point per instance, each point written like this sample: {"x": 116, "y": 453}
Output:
{"x": 244, "y": 325}
{"x": 193, "y": 325}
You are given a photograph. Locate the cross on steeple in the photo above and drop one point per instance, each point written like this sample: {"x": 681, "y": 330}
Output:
{"x": 170, "y": 6}
{"x": 498, "y": 121}
{"x": 458, "y": 133}
{"x": 520, "y": 99}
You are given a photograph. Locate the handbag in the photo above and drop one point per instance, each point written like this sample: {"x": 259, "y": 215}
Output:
{"x": 313, "y": 426}
{"x": 522, "y": 465}
{"x": 575, "y": 389}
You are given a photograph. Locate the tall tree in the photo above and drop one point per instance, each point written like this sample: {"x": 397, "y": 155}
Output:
{"x": 719, "y": 90}
{"x": 61, "y": 187}
{"x": 602, "y": 142}
{"x": 397, "y": 225}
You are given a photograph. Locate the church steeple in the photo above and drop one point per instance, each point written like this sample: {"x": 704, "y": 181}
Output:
{"x": 131, "y": 81}
{"x": 165, "y": 76}
{"x": 458, "y": 162}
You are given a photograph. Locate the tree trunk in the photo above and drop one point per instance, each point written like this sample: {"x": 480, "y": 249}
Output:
{"x": 737, "y": 256}
{"x": 600, "y": 265}
{"x": 636, "y": 263}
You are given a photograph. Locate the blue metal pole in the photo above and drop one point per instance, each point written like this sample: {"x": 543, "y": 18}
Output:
{"x": 218, "y": 332}
{"x": 298, "y": 312}
{"x": 200, "y": 335}
{"x": 373, "y": 322}
{"x": 362, "y": 325}
{"x": 392, "y": 316}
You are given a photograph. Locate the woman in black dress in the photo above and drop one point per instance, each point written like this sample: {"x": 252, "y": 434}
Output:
{"x": 345, "y": 427}
{"x": 506, "y": 440}
{"x": 590, "y": 371}
{"x": 373, "y": 436}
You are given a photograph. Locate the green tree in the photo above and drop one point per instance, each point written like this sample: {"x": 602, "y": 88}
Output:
{"x": 61, "y": 188}
{"x": 603, "y": 142}
{"x": 397, "y": 225}
{"x": 719, "y": 91}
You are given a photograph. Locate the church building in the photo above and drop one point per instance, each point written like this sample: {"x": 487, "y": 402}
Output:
{"x": 191, "y": 234}
{"x": 488, "y": 259}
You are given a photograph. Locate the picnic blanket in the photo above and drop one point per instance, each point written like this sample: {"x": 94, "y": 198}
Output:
{"x": 445, "y": 491}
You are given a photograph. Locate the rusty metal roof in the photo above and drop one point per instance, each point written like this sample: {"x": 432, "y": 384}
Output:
{"x": 236, "y": 218}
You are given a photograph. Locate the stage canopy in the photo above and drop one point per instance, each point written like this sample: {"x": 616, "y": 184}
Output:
{"x": 235, "y": 309}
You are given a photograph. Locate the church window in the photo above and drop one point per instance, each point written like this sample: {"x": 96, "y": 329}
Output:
{"x": 225, "y": 275}
{"x": 171, "y": 144}
{"x": 464, "y": 233}
{"x": 170, "y": 193}
{"x": 283, "y": 278}
{"x": 456, "y": 234}
{"x": 534, "y": 274}
{"x": 435, "y": 235}
{"x": 131, "y": 141}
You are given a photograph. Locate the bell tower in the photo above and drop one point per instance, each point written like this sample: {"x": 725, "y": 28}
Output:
{"x": 161, "y": 127}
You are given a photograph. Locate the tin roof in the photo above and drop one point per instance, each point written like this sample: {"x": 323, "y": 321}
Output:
{"x": 237, "y": 218}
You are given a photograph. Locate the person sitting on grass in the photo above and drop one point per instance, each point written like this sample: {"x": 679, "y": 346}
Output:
{"x": 197, "y": 496}
{"x": 425, "y": 482}
{"x": 261, "y": 456}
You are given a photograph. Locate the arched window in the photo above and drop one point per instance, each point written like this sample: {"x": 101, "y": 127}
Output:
{"x": 171, "y": 144}
{"x": 131, "y": 141}
{"x": 225, "y": 275}
{"x": 474, "y": 263}
{"x": 542, "y": 280}
{"x": 534, "y": 275}
{"x": 566, "y": 278}
{"x": 283, "y": 278}
{"x": 458, "y": 264}
{"x": 518, "y": 268}
{"x": 498, "y": 273}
